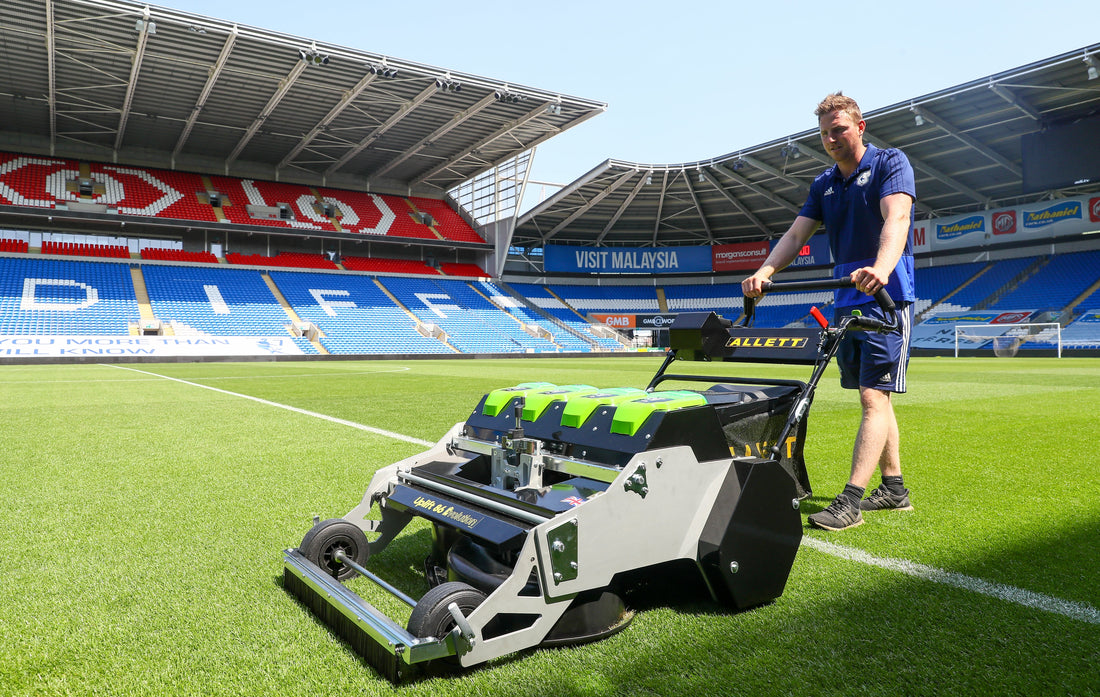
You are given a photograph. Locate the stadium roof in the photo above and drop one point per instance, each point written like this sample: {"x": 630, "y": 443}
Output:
{"x": 963, "y": 142}
{"x": 122, "y": 81}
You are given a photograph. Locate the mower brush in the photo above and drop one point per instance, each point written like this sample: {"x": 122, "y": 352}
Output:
{"x": 551, "y": 505}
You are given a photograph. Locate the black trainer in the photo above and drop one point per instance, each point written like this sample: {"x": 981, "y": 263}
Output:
{"x": 882, "y": 499}
{"x": 840, "y": 515}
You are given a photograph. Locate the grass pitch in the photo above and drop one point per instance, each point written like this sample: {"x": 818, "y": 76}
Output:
{"x": 143, "y": 520}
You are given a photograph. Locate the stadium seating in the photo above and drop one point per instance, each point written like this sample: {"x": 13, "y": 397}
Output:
{"x": 449, "y": 223}
{"x": 14, "y": 246}
{"x": 472, "y": 323}
{"x": 215, "y": 301}
{"x": 53, "y": 296}
{"x": 454, "y": 269}
{"x": 380, "y": 265}
{"x": 724, "y": 299}
{"x": 353, "y": 313}
{"x": 298, "y": 260}
{"x": 46, "y": 182}
{"x": 586, "y": 299}
{"x": 36, "y": 182}
{"x": 1084, "y": 332}
{"x": 80, "y": 249}
{"x": 934, "y": 283}
{"x": 161, "y": 254}
{"x": 998, "y": 275}
{"x": 562, "y": 337}
{"x": 1055, "y": 285}
{"x": 542, "y": 298}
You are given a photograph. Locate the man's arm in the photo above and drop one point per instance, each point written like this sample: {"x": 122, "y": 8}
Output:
{"x": 895, "y": 210}
{"x": 782, "y": 255}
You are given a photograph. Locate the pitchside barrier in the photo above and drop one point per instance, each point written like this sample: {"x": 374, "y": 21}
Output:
{"x": 1005, "y": 340}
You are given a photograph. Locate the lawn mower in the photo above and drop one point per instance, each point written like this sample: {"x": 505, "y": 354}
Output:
{"x": 551, "y": 502}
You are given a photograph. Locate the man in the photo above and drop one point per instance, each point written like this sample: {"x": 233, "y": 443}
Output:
{"x": 866, "y": 202}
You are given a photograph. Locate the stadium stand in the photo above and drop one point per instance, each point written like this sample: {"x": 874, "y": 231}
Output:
{"x": 1084, "y": 332}
{"x": 52, "y": 296}
{"x": 558, "y": 333}
{"x": 36, "y": 182}
{"x": 934, "y": 283}
{"x": 14, "y": 246}
{"x": 46, "y": 182}
{"x": 995, "y": 278}
{"x": 299, "y": 260}
{"x": 354, "y": 315}
{"x": 472, "y": 323}
{"x": 449, "y": 223}
{"x": 724, "y": 299}
{"x": 78, "y": 249}
{"x": 1055, "y": 285}
{"x": 543, "y": 299}
{"x": 161, "y": 254}
{"x": 215, "y": 301}
{"x": 453, "y": 269}
{"x": 587, "y": 299}
{"x": 381, "y": 265}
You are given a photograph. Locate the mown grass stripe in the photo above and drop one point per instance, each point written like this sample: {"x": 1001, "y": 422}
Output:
{"x": 306, "y": 412}
{"x": 1020, "y": 596}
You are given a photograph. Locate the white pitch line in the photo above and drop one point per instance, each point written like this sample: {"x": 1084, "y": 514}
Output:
{"x": 1037, "y": 601}
{"x": 306, "y": 412}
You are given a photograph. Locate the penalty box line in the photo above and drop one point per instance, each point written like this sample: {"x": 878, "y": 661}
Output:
{"x": 1037, "y": 601}
{"x": 287, "y": 407}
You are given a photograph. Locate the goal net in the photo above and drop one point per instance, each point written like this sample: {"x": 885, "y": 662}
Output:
{"x": 1005, "y": 340}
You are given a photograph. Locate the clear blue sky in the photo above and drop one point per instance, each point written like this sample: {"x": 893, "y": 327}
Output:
{"x": 690, "y": 80}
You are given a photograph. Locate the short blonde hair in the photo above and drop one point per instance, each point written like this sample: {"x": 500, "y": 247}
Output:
{"x": 838, "y": 102}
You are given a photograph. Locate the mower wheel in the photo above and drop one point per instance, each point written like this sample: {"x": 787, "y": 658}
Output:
{"x": 430, "y": 617}
{"x": 325, "y": 539}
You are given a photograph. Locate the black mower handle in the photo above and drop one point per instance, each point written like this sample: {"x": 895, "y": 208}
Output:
{"x": 881, "y": 296}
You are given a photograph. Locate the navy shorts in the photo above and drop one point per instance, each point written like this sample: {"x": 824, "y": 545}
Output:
{"x": 869, "y": 359}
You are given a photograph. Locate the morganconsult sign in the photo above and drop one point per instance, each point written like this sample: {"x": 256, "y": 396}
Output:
{"x": 646, "y": 260}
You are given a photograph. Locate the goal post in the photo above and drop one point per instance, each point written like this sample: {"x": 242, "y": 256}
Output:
{"x": 1005, "y": 340}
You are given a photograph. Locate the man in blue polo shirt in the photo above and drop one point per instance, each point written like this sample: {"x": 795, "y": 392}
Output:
{"x": 866, "y": 202}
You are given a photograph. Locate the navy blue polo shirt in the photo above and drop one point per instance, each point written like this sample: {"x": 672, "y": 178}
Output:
{"x": 849, "y": 209}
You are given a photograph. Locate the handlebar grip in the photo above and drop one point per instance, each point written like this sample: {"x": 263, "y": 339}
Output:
{"x": 884, "y": 300}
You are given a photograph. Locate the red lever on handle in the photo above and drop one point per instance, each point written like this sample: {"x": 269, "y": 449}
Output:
{"x": 819, "y": 317}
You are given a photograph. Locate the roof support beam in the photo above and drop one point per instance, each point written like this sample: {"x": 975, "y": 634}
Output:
{"x": 281, "y": 92}
{"x": 504, "y": 130}
{"x": 1016, "y": 101}
{"x": 741, "y": 208}
{"x": 211, "y": 80}
{"x": 456, "y": 120}
{"x": 345, "y": 101}
{"x": 800, "y": 186}
{"x": 610, "y": 189}
{"x": 135, "y": 70}
{"x": 51, "y": 66}
{"x": 758, "y": 189}
{"x": 698, "y": 207}
{"x": 936, "y": 174}
{"x": 660, "y": 205}
{"x": 932, "y": 117}
{"x": 406, "y": 109}
{"x": 622, "y": 209}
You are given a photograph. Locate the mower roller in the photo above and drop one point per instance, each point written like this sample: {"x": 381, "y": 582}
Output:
{"x": 551, "y": 503}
